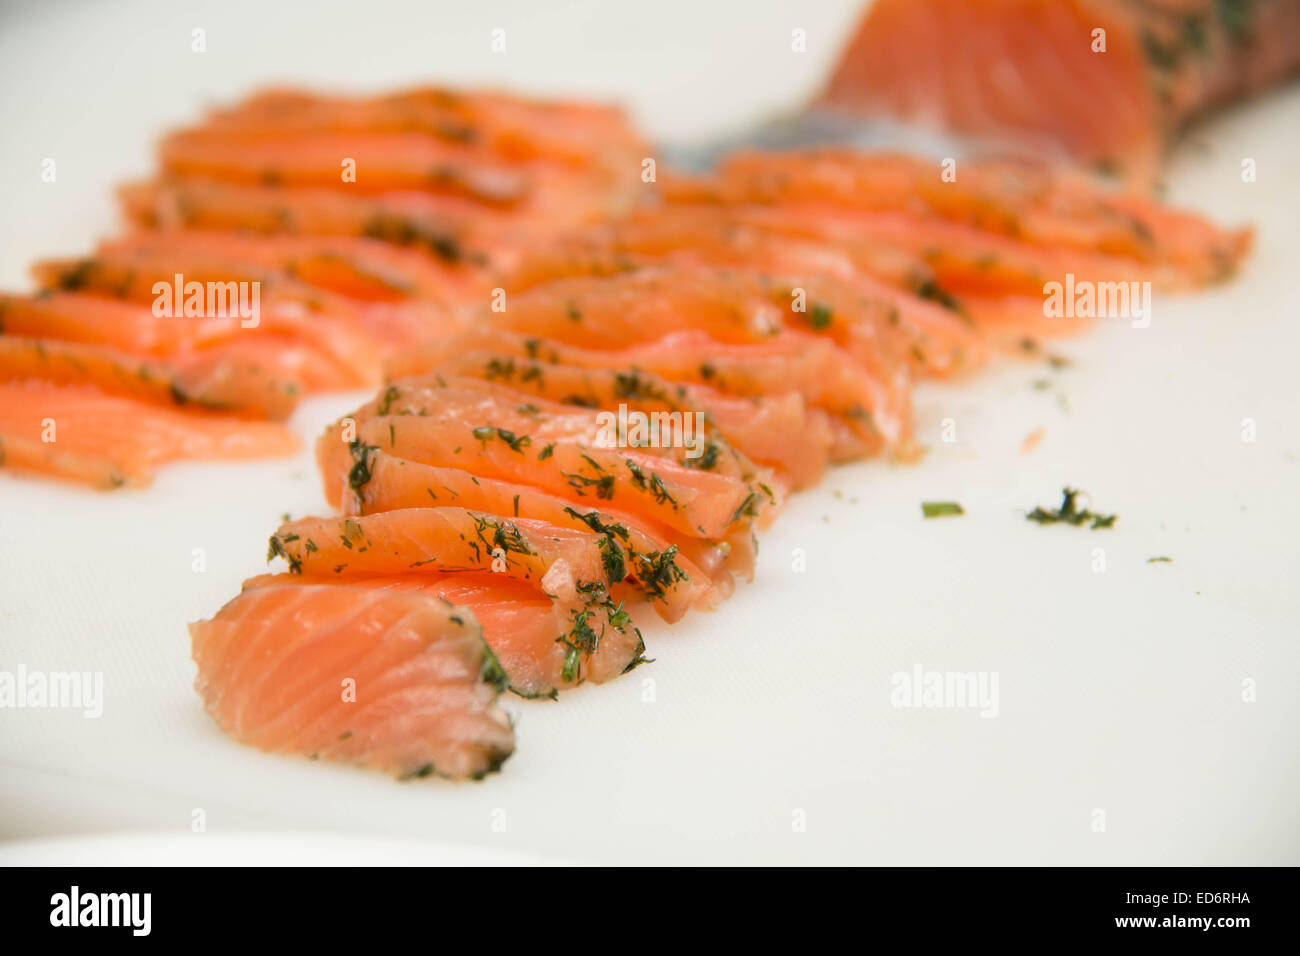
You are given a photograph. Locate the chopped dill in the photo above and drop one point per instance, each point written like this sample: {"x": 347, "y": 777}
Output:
{"x": 820, "y": 316}
{"x": 1069, "y": 513}
{"x": 386, "y": 400}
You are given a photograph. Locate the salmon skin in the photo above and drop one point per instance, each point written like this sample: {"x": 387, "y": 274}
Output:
{"x": 1109, "y": 82}
{"x": 396, "y": 681}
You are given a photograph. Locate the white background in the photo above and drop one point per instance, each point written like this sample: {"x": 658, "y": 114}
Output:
{"x": 1119, "y": 691}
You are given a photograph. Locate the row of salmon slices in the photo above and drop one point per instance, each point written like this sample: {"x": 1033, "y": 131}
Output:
{"x": 790, "y": 302}
{"x": 525, "y": 303}
{"x": 289, "y": 244}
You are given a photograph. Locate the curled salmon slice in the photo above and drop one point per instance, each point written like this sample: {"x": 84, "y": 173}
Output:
{"x": 635, "y": 309}
{"x": 815, "y": 368}
{"x": 695, "y": 442}
{"x": 395, "y": 681}
{"x": 576, "y": 563}
{"x": 688, "y": 499}
{"x": 392, "y": 483}
{"x": 776, "y": 431}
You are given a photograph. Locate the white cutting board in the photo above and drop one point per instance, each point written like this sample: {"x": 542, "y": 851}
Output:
{"x": 763, "y": 732}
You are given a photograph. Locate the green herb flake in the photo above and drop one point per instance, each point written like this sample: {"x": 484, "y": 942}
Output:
{"x": 1069, "y": 513}
{"x": 820, "y": 316}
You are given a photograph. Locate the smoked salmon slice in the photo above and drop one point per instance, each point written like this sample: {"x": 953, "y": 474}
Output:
{"x": 433, "y": 225}
{"x": 637, "y": 308}
{"x": 354, "y": 267}
{"x": 1028, "y": 201}
{"x": 451, "y": 228}
{"x": 935, "y": 340}
{"x": 206, "y": 384}
{"x": 312, "y": 351}
{"x": 563, "y": 562}
{"x": 1109, "y": 82}
{"x": 509, "y": 126}
{"x": 385, "y": 482}
{"x": 577, "y": 570}
{"x": 779, "y": 431}
{"x": 384, "y": 162}
{"x": 815, "y": 368}
{"x": 138, "y": 275}
{"x": 476, "y": 431}
{"x": 396, "y": 681}
{"x": 84, "y": 434}
{"x": 519, "y": 626}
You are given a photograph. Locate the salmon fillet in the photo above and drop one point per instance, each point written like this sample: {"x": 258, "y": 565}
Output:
{"x": 1036, "y": 72}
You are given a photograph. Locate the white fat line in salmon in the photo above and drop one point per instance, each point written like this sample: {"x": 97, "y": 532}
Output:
{"x": 945, "y": 690}
{"x": 53, "y": 690}
{"x": 1085, "y": 299}
{"x": 211, "y": 300}
{"x": 103, "y": 909}
{"x": 632, "y": 428}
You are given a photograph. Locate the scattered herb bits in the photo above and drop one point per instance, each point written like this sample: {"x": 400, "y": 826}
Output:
{"x": 1069, "y": 513}
{"x": 940, "y": 509}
